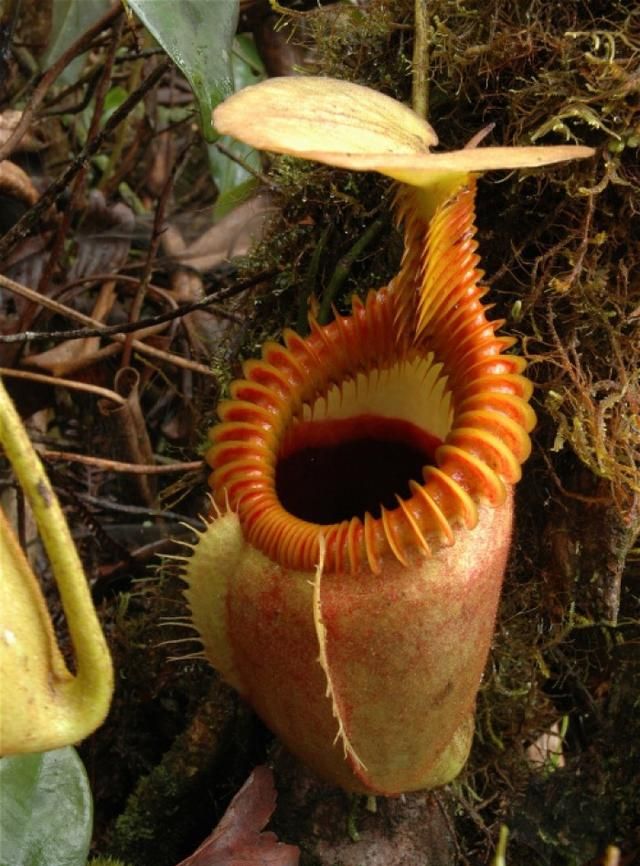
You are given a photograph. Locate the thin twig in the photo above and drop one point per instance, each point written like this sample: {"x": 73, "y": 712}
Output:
{"x": 140, "y": 510}
{"x": 142, "y": 348}
{"x": 115, "y": 155}
{"x": 43, "y": 300}
{"x": 91, "y": 79}
{"x": 62, "y": 229}
{"x": 158, "y": 228}
{"x": 78, "y": 47}
{"x": 63, "y": 383}
{"x": 343, "y": 268}
{"x": 119, "y": 466}
{"x": 29, "y": 219}
{"x": 573, "y": 494}
{"x": 208, "y": 302}
{"x": 245, "y": 165}
{"x": 420, "y": 63}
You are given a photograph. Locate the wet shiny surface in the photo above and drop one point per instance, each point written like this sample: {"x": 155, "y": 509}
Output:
{"x": 345, "y": 477}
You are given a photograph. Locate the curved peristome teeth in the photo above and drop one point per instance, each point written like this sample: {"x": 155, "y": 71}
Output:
{"x": 411, "y": 390}
{"x": 415, "y": 376}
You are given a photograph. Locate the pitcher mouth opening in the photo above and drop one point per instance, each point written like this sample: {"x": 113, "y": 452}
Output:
{"x": 384, "y": 431}
{"x": 356, "y": 449}
{"x": 351, "y": 467}
{"x": 349, "y": 435}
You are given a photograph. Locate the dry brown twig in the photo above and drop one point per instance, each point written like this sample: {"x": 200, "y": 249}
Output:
{"x": 82, "y": 44}
{"x": 209, "y": 302}
{"x": 112, "y": 398}
{"x": 67, "y": 356}
{"x": 57, "y": 381}
{"x": 119, "y": 466}
{"x": 29, "y": 219}
{"x": 102, "y": 87}
{"x": 158, "y": 225}
{"x": 142, "y": 348}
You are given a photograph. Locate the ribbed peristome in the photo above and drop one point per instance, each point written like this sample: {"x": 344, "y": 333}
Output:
{"x": 428, "y": 325}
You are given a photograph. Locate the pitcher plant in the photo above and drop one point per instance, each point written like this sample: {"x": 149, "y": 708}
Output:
{"x": 42, "y": 704}
{"x": 363, "y": 476}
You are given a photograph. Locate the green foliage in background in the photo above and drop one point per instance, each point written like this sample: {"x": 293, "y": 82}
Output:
{"x": 197, "y": 35}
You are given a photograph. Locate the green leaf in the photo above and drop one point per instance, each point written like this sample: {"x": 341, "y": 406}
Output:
{"x": 113, "y": 100}
{"x": 70, "y": 19}
{"x": 46, "y": 812}
{"x": 197, "y": 35}
{"x": 235, "y": 183}
{"x": 233, "y": 197}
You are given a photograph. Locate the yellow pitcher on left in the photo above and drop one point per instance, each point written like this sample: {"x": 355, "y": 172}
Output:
{"x": 42, "y": 704}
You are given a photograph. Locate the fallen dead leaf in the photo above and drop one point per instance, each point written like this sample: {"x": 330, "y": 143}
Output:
{"x": 16, "y": 183}
{"x": 104, "y": 238}
{"x": 233, "y": 235}
{"x": 237, "y": 840}
{"x": 9, "y": 119}
{"x": 73, "y": 355}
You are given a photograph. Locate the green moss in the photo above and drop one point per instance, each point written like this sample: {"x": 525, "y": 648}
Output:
{"x": 155, "y": 822}
{"x": 106, "y": 861}
{"x": 336, "y": 212}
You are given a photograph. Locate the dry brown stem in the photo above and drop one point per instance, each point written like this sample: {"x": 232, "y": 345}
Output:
{"x": 142, "y": 348}
{"x": 120, "y": 466}
{"x": 78, "y": 47}
{"x": 62, "y": 230}
{"x": 57, "y": 381}
{"x": 28, "y": 221}
{"x": 158, "y": 227}
{"x": 130, "y": 420}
